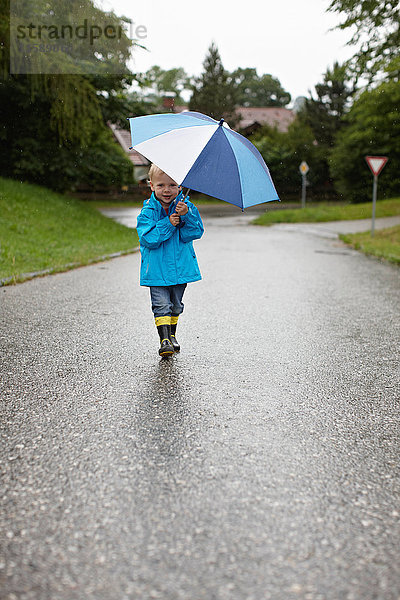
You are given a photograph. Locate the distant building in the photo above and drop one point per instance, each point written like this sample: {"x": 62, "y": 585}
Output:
{"x": 252, "y": 118}
{"x": 140, "y": 163}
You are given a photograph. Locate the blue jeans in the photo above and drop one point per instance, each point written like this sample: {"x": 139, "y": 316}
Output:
{"x": 167, "y": 300}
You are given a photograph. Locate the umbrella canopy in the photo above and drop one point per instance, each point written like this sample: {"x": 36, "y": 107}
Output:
{"x": 204, "y": 155}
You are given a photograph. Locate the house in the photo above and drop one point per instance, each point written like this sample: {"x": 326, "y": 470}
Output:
{"x": 140, "y": 164}
{"x": 252, "y": 118}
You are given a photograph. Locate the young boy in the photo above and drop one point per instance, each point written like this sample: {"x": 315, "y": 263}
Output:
{"x": 167, "y": 226}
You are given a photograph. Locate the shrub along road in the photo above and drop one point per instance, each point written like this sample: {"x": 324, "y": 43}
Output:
{"x": 261, "y": 462}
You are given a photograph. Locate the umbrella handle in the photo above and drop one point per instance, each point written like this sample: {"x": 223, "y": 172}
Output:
{"x": 184, "y": 197}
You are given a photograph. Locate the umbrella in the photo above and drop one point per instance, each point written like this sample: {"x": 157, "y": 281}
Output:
{"x": 205, "y": 155}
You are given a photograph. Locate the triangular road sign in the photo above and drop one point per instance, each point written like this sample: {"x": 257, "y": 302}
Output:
{"x": 376, "y": 163}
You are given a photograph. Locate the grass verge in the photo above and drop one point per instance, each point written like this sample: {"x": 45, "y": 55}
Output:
{"x": 318, "y": 213}
{"x": 44, "y": 232}
{"x": 385, "y": 243}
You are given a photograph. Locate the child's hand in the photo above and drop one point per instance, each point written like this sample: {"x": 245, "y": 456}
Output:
{"x": 181, "y": 208}
{"x": 174, "y": 218}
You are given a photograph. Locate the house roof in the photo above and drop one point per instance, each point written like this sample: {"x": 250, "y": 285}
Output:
{"x": 264, "y": 115}
{"x": 268, "y": 115}
{"x": 123, "y": 137}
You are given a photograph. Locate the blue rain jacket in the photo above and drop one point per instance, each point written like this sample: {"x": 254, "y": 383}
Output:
{"x": 168, "y": 256}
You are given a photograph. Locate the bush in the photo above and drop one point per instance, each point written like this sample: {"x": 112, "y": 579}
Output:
{"x": 372, "y": 128}
{"x": 284, "y": 151}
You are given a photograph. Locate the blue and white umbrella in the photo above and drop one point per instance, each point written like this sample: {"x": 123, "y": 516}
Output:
{"x": 204, "y": 155}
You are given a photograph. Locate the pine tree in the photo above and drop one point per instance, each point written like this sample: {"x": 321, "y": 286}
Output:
{"x": 324, "y": 113}
{"x": 214, "y": 92}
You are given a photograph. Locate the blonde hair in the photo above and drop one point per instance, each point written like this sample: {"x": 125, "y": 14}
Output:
{"x": 154, "y": 171}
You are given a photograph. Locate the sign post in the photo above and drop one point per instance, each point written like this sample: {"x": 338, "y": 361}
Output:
{"x": 376, "y": 164}
{"x": 304, "y": 168}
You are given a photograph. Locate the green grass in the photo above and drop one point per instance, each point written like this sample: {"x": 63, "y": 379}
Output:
{"x": 318, "y": 213}
{"x": 44, "y": 231}
{"x": 385, "y": 243}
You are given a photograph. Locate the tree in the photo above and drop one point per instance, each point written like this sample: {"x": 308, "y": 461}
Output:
{"x": 253, "y": 90}
{"x": 324, "y": 113}
{"x": 377, "y": 32}
{"x": 117, "y": 106}
{"x": 372, "y": 128}
{"x": 72, "y": 79}
{"x": 30, "y": 151}
{"x": 160, "y": 81}
{"x": 213, "y": 92}
{"x": 284, "y": 151}
{"x": 67, "y": 112}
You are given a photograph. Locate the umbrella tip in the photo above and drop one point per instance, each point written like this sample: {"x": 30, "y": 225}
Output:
{"x": 221, "y": 122}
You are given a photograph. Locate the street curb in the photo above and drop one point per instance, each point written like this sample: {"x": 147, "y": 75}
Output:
{"x": 22, "y": 277}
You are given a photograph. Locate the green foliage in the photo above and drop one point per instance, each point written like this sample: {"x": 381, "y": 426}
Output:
{"x": 4, "y": 38}
{"x": 30, "y": 150}
{"x": 284, "y": 151}
{"x": 81, "y": 28}
{"x": 74, "y": 110}
{"x": 375, "y": 26}
{"x": 372, "y": 128}
{"x": 213, "y": 93}
{"x": 324, "y": 113}
{"x": 116, "y": 107}
{"x": 73, "y": 97}
{"x": 40, "y": 229}
{"x": 54, "y": 130}
{"x": 253, "y": 90}
{"x": 156, "y": 82}
{"x": 65, "y": 167}
{"x": 104, "y": 163}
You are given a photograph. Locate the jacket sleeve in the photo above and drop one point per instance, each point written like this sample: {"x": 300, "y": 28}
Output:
{"x": 153, "y": 233}
{"x": 192, "y": 225}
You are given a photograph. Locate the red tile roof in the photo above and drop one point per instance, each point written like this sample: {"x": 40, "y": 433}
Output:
{"x": 124, "y": 138}
{"x": 265, "y": 115}
{"x": 273, "y": 116}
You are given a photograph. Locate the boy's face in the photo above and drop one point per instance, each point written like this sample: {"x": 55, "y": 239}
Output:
{"x": 165, "y": 188}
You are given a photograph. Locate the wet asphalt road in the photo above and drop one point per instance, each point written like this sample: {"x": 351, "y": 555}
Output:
{"x": 260, "y": 463}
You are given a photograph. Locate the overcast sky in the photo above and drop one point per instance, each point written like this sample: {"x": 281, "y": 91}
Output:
{"x": 289, "y": 39}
